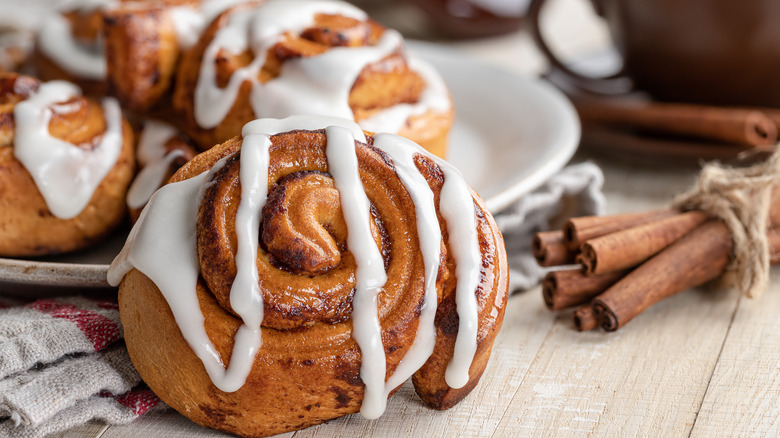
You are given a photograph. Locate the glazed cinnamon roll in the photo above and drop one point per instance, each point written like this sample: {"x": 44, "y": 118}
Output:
{"x": 305, "y": 271}
{"x": 65, "y": 165}
{"x": 283, "y": 57}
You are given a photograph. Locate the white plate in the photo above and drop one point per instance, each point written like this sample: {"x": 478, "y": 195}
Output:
{"x": 511, "y": 133}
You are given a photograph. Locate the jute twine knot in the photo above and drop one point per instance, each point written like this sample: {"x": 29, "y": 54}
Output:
{"x": 741, "y": 198}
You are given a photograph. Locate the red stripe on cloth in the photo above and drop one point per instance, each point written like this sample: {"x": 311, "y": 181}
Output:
{"x": 140, "y": 401}
{"x": 100, "y": 330}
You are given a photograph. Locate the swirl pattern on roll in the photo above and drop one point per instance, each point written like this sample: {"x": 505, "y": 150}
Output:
{"x": 312, "y": 326}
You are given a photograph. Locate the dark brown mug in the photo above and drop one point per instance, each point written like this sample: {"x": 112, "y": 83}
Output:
{"x": 705, "y": 51}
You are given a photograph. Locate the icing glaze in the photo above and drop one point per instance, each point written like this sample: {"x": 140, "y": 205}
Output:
{"x": 190, "y": 22}
{"x": 149, "y": 179}
{"x": 66, "y": 175}
{"x": 429, "y": 233}
{"x": 370, "y": 275}
{"x": 151, "y": 144}
{"x": 56, "y": 41}
{"x": 155, "y": 162}
{"x": 162, "y": 245}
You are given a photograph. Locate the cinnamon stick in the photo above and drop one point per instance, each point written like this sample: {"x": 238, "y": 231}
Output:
{"x": 696, "y": 258}
{"x": 571, "y": 287}
{"x": 740, "y": 126}
{"x": 630, "y": 247}
{"x": 577, "y": 231}
{"x": 585, "y": 319}
{"x": 549, "y": 249}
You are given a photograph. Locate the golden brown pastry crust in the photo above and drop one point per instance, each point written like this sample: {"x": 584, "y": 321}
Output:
{"x": 142, "y": 52}
{"x": 308, "y": 370}
{"x": 27, "y": 228}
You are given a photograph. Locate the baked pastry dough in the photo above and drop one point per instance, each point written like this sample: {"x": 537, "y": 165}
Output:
{"x": 323, "y": 265}
{"x": 65, "y": 165}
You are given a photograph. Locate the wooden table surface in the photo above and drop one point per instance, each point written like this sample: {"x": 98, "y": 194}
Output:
{"x": 703, "y": 363}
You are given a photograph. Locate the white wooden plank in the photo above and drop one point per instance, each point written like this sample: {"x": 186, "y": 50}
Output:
{"x": 647, "y": 379}
{"x": 743, "y": 398}
{"x": 89, "y": 430}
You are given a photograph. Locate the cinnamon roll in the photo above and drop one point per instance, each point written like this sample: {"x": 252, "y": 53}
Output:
{"x": 65, "y": 165}
{"x": 305, "y": 271}
{"x": 283, "y": 57}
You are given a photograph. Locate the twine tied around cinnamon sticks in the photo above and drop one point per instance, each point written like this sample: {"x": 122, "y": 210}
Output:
{"x": 741, "y": 198}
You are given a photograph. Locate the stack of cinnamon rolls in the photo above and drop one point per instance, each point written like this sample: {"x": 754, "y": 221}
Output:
{"x": 314, "y": 256}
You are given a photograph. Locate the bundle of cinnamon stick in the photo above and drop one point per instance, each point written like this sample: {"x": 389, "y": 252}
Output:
{"x": 628, "y": 262}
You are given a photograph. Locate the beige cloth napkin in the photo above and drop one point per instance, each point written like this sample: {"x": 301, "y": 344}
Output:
{"x": 574, "y": 191}
{"x": 63, "y": 363}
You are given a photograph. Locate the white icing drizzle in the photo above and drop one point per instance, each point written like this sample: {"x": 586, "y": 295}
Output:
{"x": 245, "y": 296}
{"x": 402, "y": 152}
{"x": 155, "y": 162}
{"x": 56, "y": 41}
{"x": 162, "y": 245}
{"x": 457, "y": 209}
{"x": 149, "y": 179}
{"x": 151, "y": 144}
{"x": 370, "y": 275}
{"x": 312, "y": 85}
{"x": 66, "y": 175}
{"x": 189, "y": 23}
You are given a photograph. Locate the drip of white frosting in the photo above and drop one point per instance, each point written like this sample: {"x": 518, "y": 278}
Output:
{"x": 402, "y": 152}
{"x": 155, "y": 162}
{"x": 56, "y": 41}
{"x": 151, "y": 144}
{"x": 246, "y": 299}
{"x": 162, "y": 245}
{"x": 149, "y": 179}
{"x": 457, "y": 209}
{"x": 189, "y": 23}
{"x": 65, "y": 174}
{"x": 370, "y": 275}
